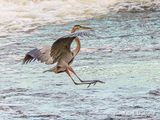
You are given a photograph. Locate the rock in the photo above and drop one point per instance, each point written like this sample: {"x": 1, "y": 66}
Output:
{"x": 122, "y": 9}
{"x": 136, "y": 6}
{"x": 155, "y": 92}
{"x": 135, "y": 9}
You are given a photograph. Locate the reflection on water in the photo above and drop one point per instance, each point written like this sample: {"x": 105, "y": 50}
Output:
{"x": 125, "y": 54}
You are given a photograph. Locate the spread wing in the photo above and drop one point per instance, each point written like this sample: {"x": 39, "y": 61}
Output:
{"x": 61, "y": 47}
{"x": 51, "y": 54}
{"x": 42, "y": 55}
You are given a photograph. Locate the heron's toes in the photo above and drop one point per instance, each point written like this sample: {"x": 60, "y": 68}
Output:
{"x": 89, "y": 84}
{"x": 94, "y": 82}
{"x": 100, "y": 81}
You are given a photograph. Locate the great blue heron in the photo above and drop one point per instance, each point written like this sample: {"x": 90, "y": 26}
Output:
{"x": 60, "y": 52}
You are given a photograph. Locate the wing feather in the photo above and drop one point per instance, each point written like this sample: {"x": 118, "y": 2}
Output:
{"x": 61, "y": 47}
{"x": 42, "y": 55}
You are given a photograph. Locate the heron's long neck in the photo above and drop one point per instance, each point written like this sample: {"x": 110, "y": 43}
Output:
{"x": 78, "y": 47}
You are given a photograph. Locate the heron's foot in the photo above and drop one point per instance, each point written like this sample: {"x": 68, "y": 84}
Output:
{"x": 94, "y": 82}
{"x": 91, "y": 82}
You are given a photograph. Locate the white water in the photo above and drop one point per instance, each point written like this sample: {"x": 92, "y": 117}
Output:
{"x": 27, "y": 15}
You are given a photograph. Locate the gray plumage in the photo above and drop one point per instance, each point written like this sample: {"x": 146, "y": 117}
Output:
{"x": 59, "y": 49}
{"x": 50, "y": 54}
{"x": 42, "y": 55}
{"x": 60, "y": 53}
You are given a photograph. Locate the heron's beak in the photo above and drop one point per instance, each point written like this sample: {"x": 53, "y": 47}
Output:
{"x": 85, "y": 28}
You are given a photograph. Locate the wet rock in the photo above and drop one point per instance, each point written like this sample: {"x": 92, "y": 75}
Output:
{"x": 45, "y": 116}
{"x": 122, "y": 9}
{"x": 145, "y": 6}
{"x": 109, "y": 118}
{"x": 136, "y": 6}
{"x": 4, "y": 108}
{"x": 13, "y": 90}
{"x": 155, "y": 92}
{"x": 137, "y": 106}
{"x": 135, "y": 9}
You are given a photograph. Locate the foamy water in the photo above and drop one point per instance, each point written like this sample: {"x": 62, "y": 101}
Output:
{"x": 27, "y": 15}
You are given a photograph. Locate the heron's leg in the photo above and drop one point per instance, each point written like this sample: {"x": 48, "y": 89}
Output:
{"x": 91, "y": 81}
{"x": 71, "y": 69}
{"x": 88, "y": 83}
{"x": 70, "y": 76}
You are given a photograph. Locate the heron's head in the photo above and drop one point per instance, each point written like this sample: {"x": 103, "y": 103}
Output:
{"x": 79, "y": 27}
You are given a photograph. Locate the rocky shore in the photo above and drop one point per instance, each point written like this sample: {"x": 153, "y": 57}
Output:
{"x": 136, "y": 6}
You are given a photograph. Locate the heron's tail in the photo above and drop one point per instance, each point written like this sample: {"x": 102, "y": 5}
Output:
{"x": 50, "y": 70}
{"x": 47, "y": 71}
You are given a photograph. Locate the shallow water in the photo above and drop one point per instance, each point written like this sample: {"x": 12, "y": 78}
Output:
{"x": 124, "y": 54}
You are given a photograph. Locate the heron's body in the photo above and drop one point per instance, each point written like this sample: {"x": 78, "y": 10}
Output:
{"x": 60, "y": 52}
{"x": 66, "y": 57}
